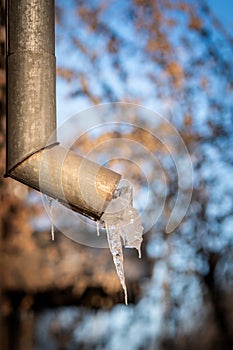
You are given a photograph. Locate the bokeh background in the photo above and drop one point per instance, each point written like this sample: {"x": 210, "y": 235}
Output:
{"x": 174, "y": 57}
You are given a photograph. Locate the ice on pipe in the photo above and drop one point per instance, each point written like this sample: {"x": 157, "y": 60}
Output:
{"x": 98, "y": 228}
{"x": 114, "y": 241}
{"x": 123, "y": 225}
{"x": 51, "y": 202}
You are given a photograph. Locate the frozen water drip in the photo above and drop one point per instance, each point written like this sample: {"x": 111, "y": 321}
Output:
{"x": 98, "y": 228}
{"x": 114, "y": 241}
{"x": 123, "y": 226}
{"x": 50, "y": 202}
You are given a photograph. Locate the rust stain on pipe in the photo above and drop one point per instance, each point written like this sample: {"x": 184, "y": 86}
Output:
{"x": 76, "y": 182}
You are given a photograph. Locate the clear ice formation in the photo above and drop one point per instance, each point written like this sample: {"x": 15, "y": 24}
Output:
{"x": 50, "y": 202}
{"x": 123, "y": 225}
{"x": 114, "y": 241}
{"x": 98, "y": 228}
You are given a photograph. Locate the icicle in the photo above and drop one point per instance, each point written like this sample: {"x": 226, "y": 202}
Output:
{"x": 120, "y": 211}
{"x": 50, "y": 201}
{"x": 132, "y": 230}
{"x": 98, "y": 227}
{"x": 139, "y": 253}
{"x": 52, "y": 231}
{"x": 114, "y": 241}
{"x": 122, "y": 220}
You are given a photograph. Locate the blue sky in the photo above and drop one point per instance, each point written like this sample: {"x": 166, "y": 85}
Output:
{"x": 67, "y": 107}
{"x": 223, "y": 10}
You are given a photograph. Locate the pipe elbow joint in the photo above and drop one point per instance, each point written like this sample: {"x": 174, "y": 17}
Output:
{"x": 76, "y": 182}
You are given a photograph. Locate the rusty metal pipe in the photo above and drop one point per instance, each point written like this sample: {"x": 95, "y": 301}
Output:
{"x": 33, "y": 156}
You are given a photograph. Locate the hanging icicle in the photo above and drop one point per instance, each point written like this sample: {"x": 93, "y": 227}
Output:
{"x": 51, "y": 202}
{"x": 122, "y": 223}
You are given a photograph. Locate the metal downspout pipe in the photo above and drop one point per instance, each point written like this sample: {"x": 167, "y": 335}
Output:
{"x": 76, "y": 182}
